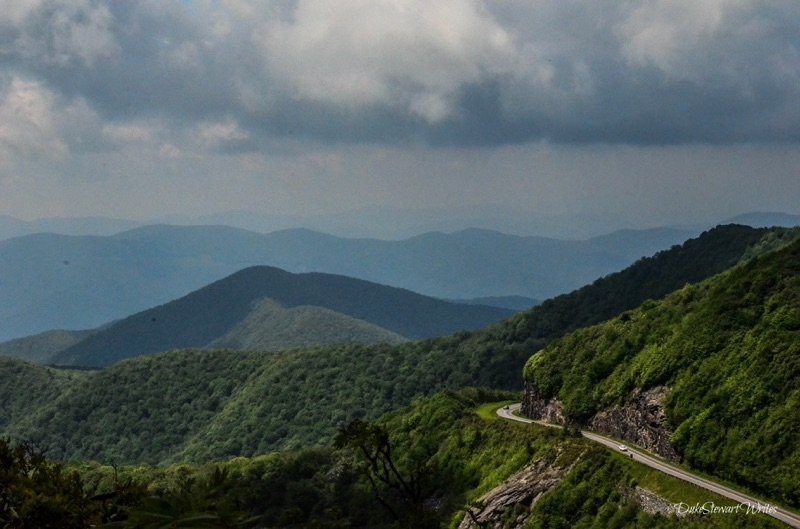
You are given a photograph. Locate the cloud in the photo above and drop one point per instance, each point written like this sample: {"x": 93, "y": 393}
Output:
{"x": 412, "y": 56}
{"x": 128, "y": 133}
{"x": 223, "y": 135}
{"x": 60, "y": 33}
{"x": 456, "y": 72}
{"x": 16, "y": 11}
{"x": 27, "y": 127}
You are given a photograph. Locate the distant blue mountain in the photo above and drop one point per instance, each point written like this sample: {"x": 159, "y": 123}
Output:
{"x": 215, "y": 312}
{"x": 13, "y": 227}
{"x": 52, "y": 281}
{"x": 515, "y": 303}
{"x": 766, "y": 220}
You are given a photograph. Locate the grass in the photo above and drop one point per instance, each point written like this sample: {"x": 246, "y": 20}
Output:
{"x": 716, "y": 479}
{"x": 668, "y": 487}
{"x": 739, "y": 488}
{"x": 488, "y": 412}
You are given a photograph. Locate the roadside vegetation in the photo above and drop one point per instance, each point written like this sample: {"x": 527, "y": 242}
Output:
{"x": 729, "y": 350}
{"x": 441, "y": 448}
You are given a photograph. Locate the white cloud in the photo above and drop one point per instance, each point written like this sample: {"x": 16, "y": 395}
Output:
{"x": 671, "y": 34}
{"x": 82, "y": 29}
{"x": 414, "y": 54}
{"x": 169, "y": 151}
{"x": 393, "y": 70}
{"x": 27, "y": 127}
{"x": 64, "y": 32}
{"x": 221, "y": 133}
{"x": 14, "y": 12}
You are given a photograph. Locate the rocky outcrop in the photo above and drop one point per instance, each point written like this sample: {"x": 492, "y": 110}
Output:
{"x": 640, "y": 421}
{"x": 650, "y": 502}
{"x": 509, "y": 505}
{"x": 534, "y": 406}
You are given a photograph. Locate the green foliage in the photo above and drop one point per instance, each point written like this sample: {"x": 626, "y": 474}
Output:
{"x": 728, "y": 348}
{"x": 270, "y": 327}
{"x": 648, "y": 278}
{"x": 590, "y": 497}
{"x": 192, "y": 504}
{"x": 26, "y": 387}
{"x": 464, "y": 457}
{"x": 232, "y": 311}
{"x": 408, "y": 494}
{"x": 41, "y": 348}
{"x": 36, "y": 493}
{"x": 138, "y": 411}
{"x": 206, "y": 405}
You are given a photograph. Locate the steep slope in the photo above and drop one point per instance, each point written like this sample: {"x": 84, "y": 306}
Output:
{"x": 270, "y": 327}
{"x": 648, "y": 278}
{"x": 212, "y": 312}
{"x": 298, "y": 398}
{"x": 42, "y": 347}
{"x": 138, "y": 410}
{"x": 65, "y": 282}
{"x": 25, "y": 387}
{"x": 720, "y": 360}
{"x": 448, "y": 447}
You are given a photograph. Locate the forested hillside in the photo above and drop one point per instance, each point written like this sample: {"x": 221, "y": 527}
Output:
{"x": 245, "y": 308}
{"x": 25, "y": 388}
{"x": 297, "y": 398}
{"x": 437, "y": 459}
{"x": 42, "y": 347}
{"x": 62, "y": 282}
{"x": 728, "y": 349}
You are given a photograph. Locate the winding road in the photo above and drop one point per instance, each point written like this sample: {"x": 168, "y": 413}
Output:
{"x": 742, "y": 499}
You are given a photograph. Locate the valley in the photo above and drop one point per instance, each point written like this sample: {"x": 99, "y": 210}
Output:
{"x": 241, "y": 397}
{"x": 399, "y": 264}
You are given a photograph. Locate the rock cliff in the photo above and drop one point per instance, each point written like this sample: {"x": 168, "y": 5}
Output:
{"x": 509, "y": 505}
{"x": 640, "y": 421}
{"x": 650, "y": 502}
{"x": 537, "y": 407}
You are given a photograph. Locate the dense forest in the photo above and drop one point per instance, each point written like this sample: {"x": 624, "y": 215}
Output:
{"x": 199, "y": 405}
{"x": 448, "y": 449}
{"x": 254, "y": 438}
{"x": 729, "y": 349}
{"x": 244, "y": 309}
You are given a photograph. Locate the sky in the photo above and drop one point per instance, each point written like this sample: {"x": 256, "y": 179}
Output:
{"x": 647, "y": 112}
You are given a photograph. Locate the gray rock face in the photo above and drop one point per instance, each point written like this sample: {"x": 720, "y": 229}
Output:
{"x": 640, "y": 421}
{"x": 537, "y": 407}
{"x": 509, "y": 505}
{"x": 651, "y": 503}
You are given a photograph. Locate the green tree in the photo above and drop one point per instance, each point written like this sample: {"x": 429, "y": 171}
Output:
{"x": 196, "y": 504}
{"x": 407, "y": 494}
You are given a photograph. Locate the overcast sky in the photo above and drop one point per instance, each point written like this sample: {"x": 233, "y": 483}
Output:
{"x": 652, "y": 112}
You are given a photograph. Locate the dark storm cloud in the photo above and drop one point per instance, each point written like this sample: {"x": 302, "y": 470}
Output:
{"x": 234, "y": 75}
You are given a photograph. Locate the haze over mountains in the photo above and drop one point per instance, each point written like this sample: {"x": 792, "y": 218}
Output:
{"x": 204, "y": 405}
{"x": 383, "y": 223}
{"x": 267, "y": 309}
{"x": 193, "y": 406}
{"x": 79, "y": 282}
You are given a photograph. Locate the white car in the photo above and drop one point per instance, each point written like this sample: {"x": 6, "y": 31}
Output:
{"x": 623, "y": 448}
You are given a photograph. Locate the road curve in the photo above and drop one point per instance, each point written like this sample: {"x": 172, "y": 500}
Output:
{"x": 784, "y": 516}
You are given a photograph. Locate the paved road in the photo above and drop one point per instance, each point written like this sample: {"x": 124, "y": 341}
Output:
{"x": 641, "y": 457}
